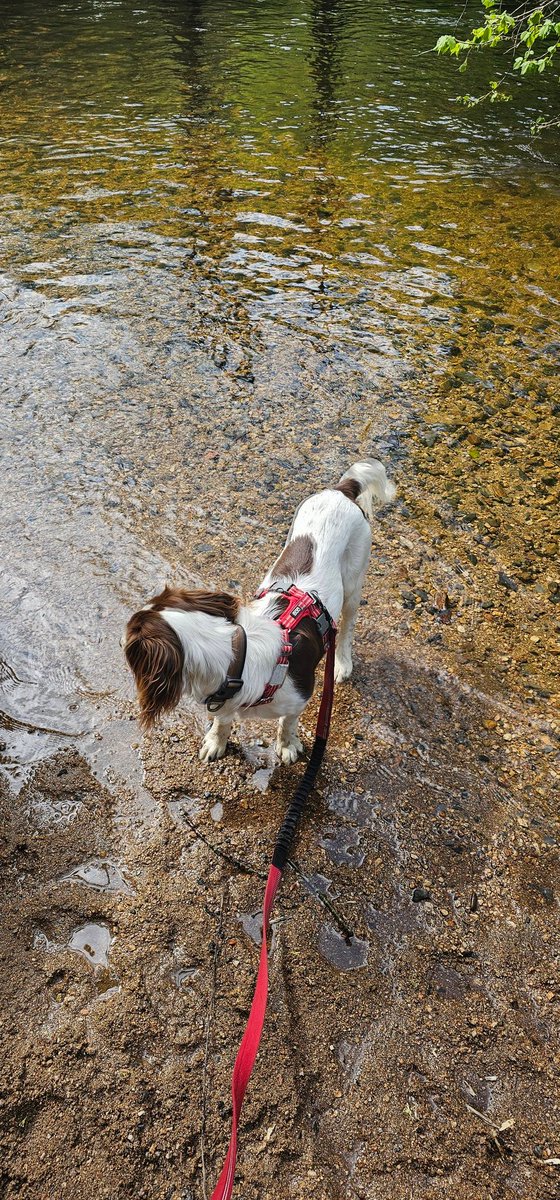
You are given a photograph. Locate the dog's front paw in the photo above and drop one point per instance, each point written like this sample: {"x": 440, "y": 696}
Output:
{"x": 212, "y": 747}
{"x": 288, "y": 753}
{"x": 342, "y": 667}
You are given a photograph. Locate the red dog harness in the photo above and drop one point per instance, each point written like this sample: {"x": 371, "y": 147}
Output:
{"x": 300, "y": 604}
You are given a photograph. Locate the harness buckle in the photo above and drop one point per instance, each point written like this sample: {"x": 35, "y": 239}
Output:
{"x": 278, "y": 675}
{"x": 323, "y": 623}
{"x": 226, "y": 691}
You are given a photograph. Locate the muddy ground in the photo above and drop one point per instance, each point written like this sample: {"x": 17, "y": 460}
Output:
{"x": 421, "y": 1058}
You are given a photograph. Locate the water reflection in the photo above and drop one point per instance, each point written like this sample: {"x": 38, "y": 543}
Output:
{"x": 187, "y": 32}
{"x": 328, "y": 19}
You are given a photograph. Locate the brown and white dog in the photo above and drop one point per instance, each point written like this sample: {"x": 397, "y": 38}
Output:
{"x": 187, "y": 643}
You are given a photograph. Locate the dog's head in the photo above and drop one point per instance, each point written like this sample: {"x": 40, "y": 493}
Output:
{"x": 155, "y": 652}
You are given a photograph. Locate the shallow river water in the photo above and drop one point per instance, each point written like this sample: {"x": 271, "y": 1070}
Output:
{"x": 241, "y": 246}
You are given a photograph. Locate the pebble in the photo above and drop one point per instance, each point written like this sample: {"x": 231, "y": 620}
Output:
{"x": 507, "y": 582}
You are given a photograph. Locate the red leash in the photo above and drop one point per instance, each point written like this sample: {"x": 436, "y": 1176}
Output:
{"x": 248, "y": 1049}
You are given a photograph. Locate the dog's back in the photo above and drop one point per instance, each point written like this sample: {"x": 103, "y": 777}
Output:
{"x": 328, "y": 545}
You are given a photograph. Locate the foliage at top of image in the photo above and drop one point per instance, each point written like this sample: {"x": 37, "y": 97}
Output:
{"x": 527, "y": 32}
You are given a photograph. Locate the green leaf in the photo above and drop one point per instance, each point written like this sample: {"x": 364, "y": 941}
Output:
{"x": 468, "y": 101}
{"x": 535, "y": 17}
{"x": 446, "y": 44}
{"x": 507, "y": 23}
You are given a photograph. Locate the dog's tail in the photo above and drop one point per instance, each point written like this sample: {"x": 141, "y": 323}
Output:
{"x": 365, "y": 482}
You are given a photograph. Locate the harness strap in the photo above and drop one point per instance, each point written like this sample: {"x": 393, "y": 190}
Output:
{"x": 279, "y": 673}
{"x": 248, "y": 1049}
{"x": 233, "y": 681}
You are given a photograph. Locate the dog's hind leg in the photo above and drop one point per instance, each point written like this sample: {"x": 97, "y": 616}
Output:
{"x": 216, "y": 740}
{"x": 343, "y": 657}
{"x": 288, "y": 745}
{"x": 353, "y": 578}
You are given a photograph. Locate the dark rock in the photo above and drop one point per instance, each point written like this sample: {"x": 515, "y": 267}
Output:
{"x": 419, "y": 895}
{"x": 447, "y": 983}
{"x": 430, "y": 438}
{"x": 455, "y": 845}
{"x": 507, "y": 582}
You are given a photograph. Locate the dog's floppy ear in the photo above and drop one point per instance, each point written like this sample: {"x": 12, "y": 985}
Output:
{"x": 155, "y": 655}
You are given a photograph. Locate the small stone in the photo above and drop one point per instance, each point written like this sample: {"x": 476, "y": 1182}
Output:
{"x": 419, "y": 895}
{"x": 507, "y": 582}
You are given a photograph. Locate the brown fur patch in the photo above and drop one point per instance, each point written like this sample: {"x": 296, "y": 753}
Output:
{"x": 350, "y": 488}
{"x": 155, "y": 655}
{"x": 215, "y": 604}
{"x": 307, "y": 652}
{"x": 297, "y": 558}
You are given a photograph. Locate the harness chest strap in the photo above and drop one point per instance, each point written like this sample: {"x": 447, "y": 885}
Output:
{"x": 280, "y": 671}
